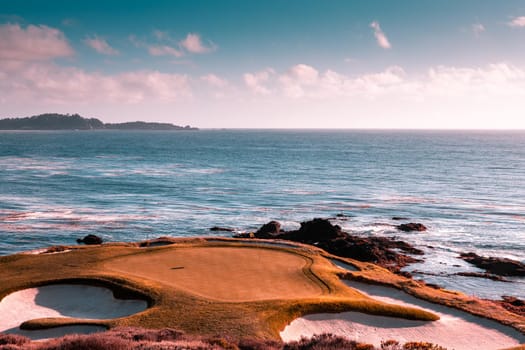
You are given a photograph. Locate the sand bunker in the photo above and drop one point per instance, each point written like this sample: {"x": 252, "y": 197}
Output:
{"x": 63, "y": 300}
{"x": 343, "y": 266}
{"x": 226, "y": 273}
{"x": 455, "y": 330}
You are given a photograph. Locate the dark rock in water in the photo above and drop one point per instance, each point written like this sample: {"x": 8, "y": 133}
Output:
{"x": 411, "y": 226}
{"x": 269, "y": 230}
{"x": 497, "y": 266}
{"x": 399, "y": 218}
{"x": 316, "y": 230}
{"x": 90, "y": 239}
{"x": 321, "y": 233}
{"x": 245, "y": 235}
{"x": 483, "y": 275}
{"x": 218, "y": 228}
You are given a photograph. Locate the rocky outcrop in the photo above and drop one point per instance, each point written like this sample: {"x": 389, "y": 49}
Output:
{"x": 494, "y": 265}
{"x": 411, "y": 226}
{"x": 218, "y": 228}
{"x": 386, "y": 252}
{"x": 483, "y": 275}
{"x": 399, "y": 218}
{"x": 90, "y": 240}
{"x": 314, "y": 231}
{"x": 269, "y": 230}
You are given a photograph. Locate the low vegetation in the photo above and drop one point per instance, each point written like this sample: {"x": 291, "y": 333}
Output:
{"x": 128, "y": 338}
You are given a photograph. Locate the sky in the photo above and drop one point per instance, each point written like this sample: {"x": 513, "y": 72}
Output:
{"x": 411, "y": 64}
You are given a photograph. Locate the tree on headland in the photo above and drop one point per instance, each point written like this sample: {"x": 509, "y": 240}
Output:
{"x": 55, "y": 121}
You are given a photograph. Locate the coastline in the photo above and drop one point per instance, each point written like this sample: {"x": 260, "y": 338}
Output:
{"x": 324, "y": 268}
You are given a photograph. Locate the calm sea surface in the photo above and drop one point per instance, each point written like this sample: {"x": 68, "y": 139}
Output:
{"x": 467, "y": 187}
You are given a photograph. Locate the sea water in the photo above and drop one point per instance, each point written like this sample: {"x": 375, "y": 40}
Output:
{"x": 467, "y": 187}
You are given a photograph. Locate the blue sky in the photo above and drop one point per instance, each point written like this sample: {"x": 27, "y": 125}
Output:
{"x": 336, "y": 64}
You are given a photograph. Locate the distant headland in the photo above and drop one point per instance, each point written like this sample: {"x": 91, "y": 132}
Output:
{"x": 54, "y": 121}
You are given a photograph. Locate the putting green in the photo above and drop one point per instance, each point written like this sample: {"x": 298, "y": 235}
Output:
{"x": 227, "y": 273}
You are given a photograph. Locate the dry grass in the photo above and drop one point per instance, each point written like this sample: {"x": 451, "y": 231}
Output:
{"x": 271, "y": 286}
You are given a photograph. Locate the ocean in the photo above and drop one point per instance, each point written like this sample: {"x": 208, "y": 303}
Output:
{"x": 467, "y": 187}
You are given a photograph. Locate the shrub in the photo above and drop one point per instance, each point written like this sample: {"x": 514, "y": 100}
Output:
{"x": 422, "y": 346}
{"x": 143, "y": 334}
{"x": 252, "y": 344}
{"x": 12, "y": 347}
{"x": 87, "y": 342}
{"x": 223, "y": 343}
{"x": 390, "y": 345}
{"x": 13, "y": 339}
{"x": 324, "y": 342}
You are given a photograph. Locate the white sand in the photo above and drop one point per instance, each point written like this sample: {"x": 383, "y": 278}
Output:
{"x": 455, "y": 330}
{"x": 63, "y": 300}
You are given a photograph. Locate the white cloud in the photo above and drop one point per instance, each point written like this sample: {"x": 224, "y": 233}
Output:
{"x": 256, "y": 82}
{"x": 101, "y": 46}
{"x": 500, "y": 79}
{"x": 158, "y": 49}
{"x": 297, "y": 79}
{"x": 488, "y": 96}
{"x": 214, "y": 81}
{"x": 167, "y": 46}
{"x": 49, "y": 83}
{"x": 33, "y": 43}
{"x": 380, "y": 36}
{"x": 164, "y": 50}
{"x": 478, "y": 28}
{"x": 305, "y": 74}
{"x": 517, "y": 22}
{"x": 303, "y": 81}
{"x": 193, "y": 43}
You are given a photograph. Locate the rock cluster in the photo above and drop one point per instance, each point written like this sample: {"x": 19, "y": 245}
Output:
{"x": 411, "y": 226}
{"x": 219, "y": 228}
{"x": 494, "y": 265}
{"x": 90, "y": 240}
{"x": 386, "y": 252}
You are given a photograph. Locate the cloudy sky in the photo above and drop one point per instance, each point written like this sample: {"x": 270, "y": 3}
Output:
{"x": 268, "y": 64}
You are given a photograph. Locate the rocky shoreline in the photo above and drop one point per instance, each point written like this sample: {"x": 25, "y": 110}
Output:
{"x": 386, "y": 252}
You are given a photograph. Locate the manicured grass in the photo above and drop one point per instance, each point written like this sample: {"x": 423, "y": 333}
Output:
{"x": 235, "y": 274}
